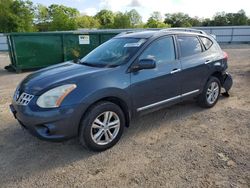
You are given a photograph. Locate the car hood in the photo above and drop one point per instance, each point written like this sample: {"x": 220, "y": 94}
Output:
{"x": 55, "y": 75}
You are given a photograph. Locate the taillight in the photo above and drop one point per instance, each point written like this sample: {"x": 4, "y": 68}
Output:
{"x": 225, "y": 55}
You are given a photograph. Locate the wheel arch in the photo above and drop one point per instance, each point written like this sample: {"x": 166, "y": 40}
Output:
{"x": 121, "y": 103}
{"x": 114, "y": 99}
{"x": 218, "y": 75}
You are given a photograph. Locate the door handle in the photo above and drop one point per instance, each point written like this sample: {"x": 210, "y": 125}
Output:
{"x": 175, "y": 71}
{"x": 208, "y": 61}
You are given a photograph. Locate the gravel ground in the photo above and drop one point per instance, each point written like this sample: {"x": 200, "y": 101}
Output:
{"x": 181, "y": 146}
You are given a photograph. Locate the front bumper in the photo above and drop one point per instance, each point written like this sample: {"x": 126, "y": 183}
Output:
{"x": 49, "y": 124}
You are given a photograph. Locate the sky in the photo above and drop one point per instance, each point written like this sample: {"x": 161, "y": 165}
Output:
{"x": 200, "y": 8}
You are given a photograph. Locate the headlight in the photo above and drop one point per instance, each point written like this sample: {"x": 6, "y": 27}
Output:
{"x": 54, "y": 97}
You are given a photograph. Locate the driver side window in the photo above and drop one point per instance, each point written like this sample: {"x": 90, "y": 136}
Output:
{"x": 161, "y": 50}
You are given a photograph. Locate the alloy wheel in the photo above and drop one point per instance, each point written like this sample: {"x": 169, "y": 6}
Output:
{"x": 105, "y": 128}
{"x": 212, "y": 92}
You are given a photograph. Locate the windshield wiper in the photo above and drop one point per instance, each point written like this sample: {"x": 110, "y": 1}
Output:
{"x": 85, "y": 63}
{"x": 101, "y": 65}
{"x": 91, "y": 64}
{"x": 78, "y": 61}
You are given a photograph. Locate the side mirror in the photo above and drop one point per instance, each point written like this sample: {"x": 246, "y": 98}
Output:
{"x": 143, "y": 64}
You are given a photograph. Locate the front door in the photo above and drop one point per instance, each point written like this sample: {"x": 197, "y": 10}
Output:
{"x": 154, "y": 87}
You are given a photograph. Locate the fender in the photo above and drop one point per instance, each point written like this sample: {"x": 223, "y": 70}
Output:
{"x": 120, "y": 94}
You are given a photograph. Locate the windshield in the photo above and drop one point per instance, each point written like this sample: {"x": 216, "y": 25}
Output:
{"x": 113, "y": 52}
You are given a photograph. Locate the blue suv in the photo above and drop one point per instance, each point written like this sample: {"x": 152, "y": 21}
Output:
{"x": 95, "y": 97}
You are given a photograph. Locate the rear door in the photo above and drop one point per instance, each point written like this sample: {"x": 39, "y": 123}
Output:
{"x": 193, "y": 65}
{"x": 154, "y": 87}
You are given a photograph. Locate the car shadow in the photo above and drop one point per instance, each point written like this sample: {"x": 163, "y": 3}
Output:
{"x": 23, "y": 155}
{"x": 163, "y": 117}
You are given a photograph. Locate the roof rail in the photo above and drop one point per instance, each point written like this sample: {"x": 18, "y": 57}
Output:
{"x": 185, "y": 30}
{"x": 127, "y": 32}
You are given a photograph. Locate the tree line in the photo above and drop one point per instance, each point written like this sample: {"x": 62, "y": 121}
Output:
{"x": 24, "y": 16}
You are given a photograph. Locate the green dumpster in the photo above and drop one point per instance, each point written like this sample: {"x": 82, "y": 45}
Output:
{"x": 37, "y": 50}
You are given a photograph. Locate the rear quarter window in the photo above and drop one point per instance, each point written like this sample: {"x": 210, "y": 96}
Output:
{"x": 189, "y": 45}
{"x": 206, "y": 42}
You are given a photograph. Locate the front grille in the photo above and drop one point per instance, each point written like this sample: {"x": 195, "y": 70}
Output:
{"x": 24, "y": 99}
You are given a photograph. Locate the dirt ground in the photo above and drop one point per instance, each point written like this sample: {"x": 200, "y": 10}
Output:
{"x": 181, "y": 146}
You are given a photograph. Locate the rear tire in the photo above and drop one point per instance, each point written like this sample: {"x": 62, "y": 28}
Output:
{"x": 211, "y": 92}
{"x": 102, "y": 126}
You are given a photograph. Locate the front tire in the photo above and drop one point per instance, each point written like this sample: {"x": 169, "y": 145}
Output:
{"x": 211, "y": 92}
{"x": 102, "y": 126}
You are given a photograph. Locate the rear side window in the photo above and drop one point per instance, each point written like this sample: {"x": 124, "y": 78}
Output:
{"x": 161, "y": 50}
{"x": 189, "y": 45}
{"x": 207, "y": 42}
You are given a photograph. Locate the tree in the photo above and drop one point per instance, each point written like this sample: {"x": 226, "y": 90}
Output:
{"x": 42, "y": 18}
{"x": 155, "y": 21}
{"x": 157, "y": 16}
{"x": 178, "y": 20}
{"x": 62, "y": 18}
{"x": 16, "y": 16}
{"x": 238, "y": 18}
{"x": 42, "y": 13}
{"x": 206, "y": 22}
{"x": 87, "y": 22}
{"x": 220, "y": 19}
{"x": 134, "y": 18}
{"x": 105, "y": 18}
{"x": 23, "y": 16}
{"x": 7, "y": 18}
{"x": 151, "y": 23}
{"x": 195, "y": 21}
{"x": 121, "y": 21}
